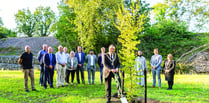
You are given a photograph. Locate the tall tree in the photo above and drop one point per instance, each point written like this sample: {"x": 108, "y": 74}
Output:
{"x": 25, "y": 22}
{"x": 94, "y": 19}
{"x": 45, "y": 18}
{"x": 65, "y": 27}
{"x": 129, "y": 23}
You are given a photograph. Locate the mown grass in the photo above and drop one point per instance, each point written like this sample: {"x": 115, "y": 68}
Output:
{"x": 187, "y": 88}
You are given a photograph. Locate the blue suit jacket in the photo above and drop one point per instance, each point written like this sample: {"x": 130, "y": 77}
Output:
{"x": 156, "y": 61}
{"x": 47, "y": 60}
{"x": 82, "y": 58}
{"x": 40, "y": 56}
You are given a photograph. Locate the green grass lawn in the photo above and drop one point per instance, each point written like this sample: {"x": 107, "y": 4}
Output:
{"x": 187, "y": 88}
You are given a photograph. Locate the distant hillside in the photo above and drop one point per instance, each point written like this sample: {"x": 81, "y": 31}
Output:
{"x": 18, "y": 44}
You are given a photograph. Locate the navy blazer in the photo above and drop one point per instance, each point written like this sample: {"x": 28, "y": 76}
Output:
{"x": 82, "y": 57}
{"x": 100, "y": 61}
{"x": 47, "y": 60}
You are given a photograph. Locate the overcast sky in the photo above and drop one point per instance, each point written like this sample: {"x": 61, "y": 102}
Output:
{"x": 10, "y": 7}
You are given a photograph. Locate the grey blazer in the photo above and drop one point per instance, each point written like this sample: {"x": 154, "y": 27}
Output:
{"x": 88, "y": 60}
{"x": 75, "y": 63}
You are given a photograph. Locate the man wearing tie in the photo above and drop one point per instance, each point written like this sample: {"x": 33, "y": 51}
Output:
{"x": 49, "y": 64}
{"x": 91, "y": 66}
{"x": 156, "y": 61}
{"x": 81, "y": 59}
{"x": 111, "y": 70}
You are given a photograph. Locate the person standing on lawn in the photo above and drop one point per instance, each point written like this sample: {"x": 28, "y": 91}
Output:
{"x": 140, "y": 66}
{"x": 81, "y": 59}
{"x": 72, "y": 63}
{"x": 91, "y": 66}
{"x": 26, "y": 60}
{"x": 111, "y": 70}
{"x": 156, "y": 61}
{"x": 40, "y": 59}
{"x": 61, "y": 66}
{"x": 49, "y": 64}
{"x": 101, "y": 67}
{"x": 169, "y": 67}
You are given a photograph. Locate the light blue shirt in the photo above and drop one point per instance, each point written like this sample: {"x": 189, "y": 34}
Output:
{"x": 156, "y": 61}
{"x": 61, "y": 57}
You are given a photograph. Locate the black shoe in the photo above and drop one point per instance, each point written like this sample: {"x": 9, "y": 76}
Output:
{"x": 51, "y": 87}
{"x": 168, "y": 88}
{"x": 34, "y": 90}
{"x": 108, "y": 100}
{"x": 26, "y": 90}
{"x": 63, "y": 85}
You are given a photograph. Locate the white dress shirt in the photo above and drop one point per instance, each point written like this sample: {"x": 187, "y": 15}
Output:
{"x": 61, "y": 57}
{"x": 92, "y": 59}
{"x": 72, "y": 62}
{"x": 79, "y": 54}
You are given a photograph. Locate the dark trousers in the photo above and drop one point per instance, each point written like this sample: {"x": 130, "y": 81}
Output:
{"x": 48, "y": 76}
{"x": 170, "y": 84}
{"x": 101, "y": 74}
{"x": 41, "y": 80}
{"x": 108, "y": 83}
{"x": 68, "y": 72}
{"x": 82, "y": 74}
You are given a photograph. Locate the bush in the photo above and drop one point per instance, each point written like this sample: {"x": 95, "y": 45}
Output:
{"x": 169, "y": 37}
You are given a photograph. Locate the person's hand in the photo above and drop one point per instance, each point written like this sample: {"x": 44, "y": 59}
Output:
{"x": 166, "y": 71}
{"x": 154, "y": 67}
{"x": 114, "y": 70}
{"x": 63, "y": 65}
{"x": 103, "y": 50}
{"x": 50, "y": 66}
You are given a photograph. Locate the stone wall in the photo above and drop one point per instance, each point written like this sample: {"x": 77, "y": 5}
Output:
{"x": 34, "y": 42}
{"x": 10, "y": 63}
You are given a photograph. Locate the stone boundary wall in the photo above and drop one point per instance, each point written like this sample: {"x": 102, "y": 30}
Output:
{"x": 10, "y": 63}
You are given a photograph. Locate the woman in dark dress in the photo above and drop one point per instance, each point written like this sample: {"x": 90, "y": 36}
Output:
{"x": 169, "y": 67}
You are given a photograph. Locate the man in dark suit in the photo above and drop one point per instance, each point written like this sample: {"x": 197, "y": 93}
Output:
{"x": 111, "y": 70}
{"x": 49, "y": 64}
{"x": 81, "y": 59}
{"x": 101, "y": 67}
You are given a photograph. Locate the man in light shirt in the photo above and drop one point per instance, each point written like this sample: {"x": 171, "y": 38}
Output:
{"x": 156, "y": 61}
{"x": 91, "y": 66}
{"x": 81, "y": 59}
{"x": 61, "y": 66}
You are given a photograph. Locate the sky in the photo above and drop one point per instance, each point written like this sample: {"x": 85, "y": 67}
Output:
{"x": 8, "y": 8}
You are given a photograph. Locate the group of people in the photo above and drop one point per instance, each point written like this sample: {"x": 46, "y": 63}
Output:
{"x": 156, "y": 61}
{"x": 73, "y": 62}
{"x": 67, "y": 64}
